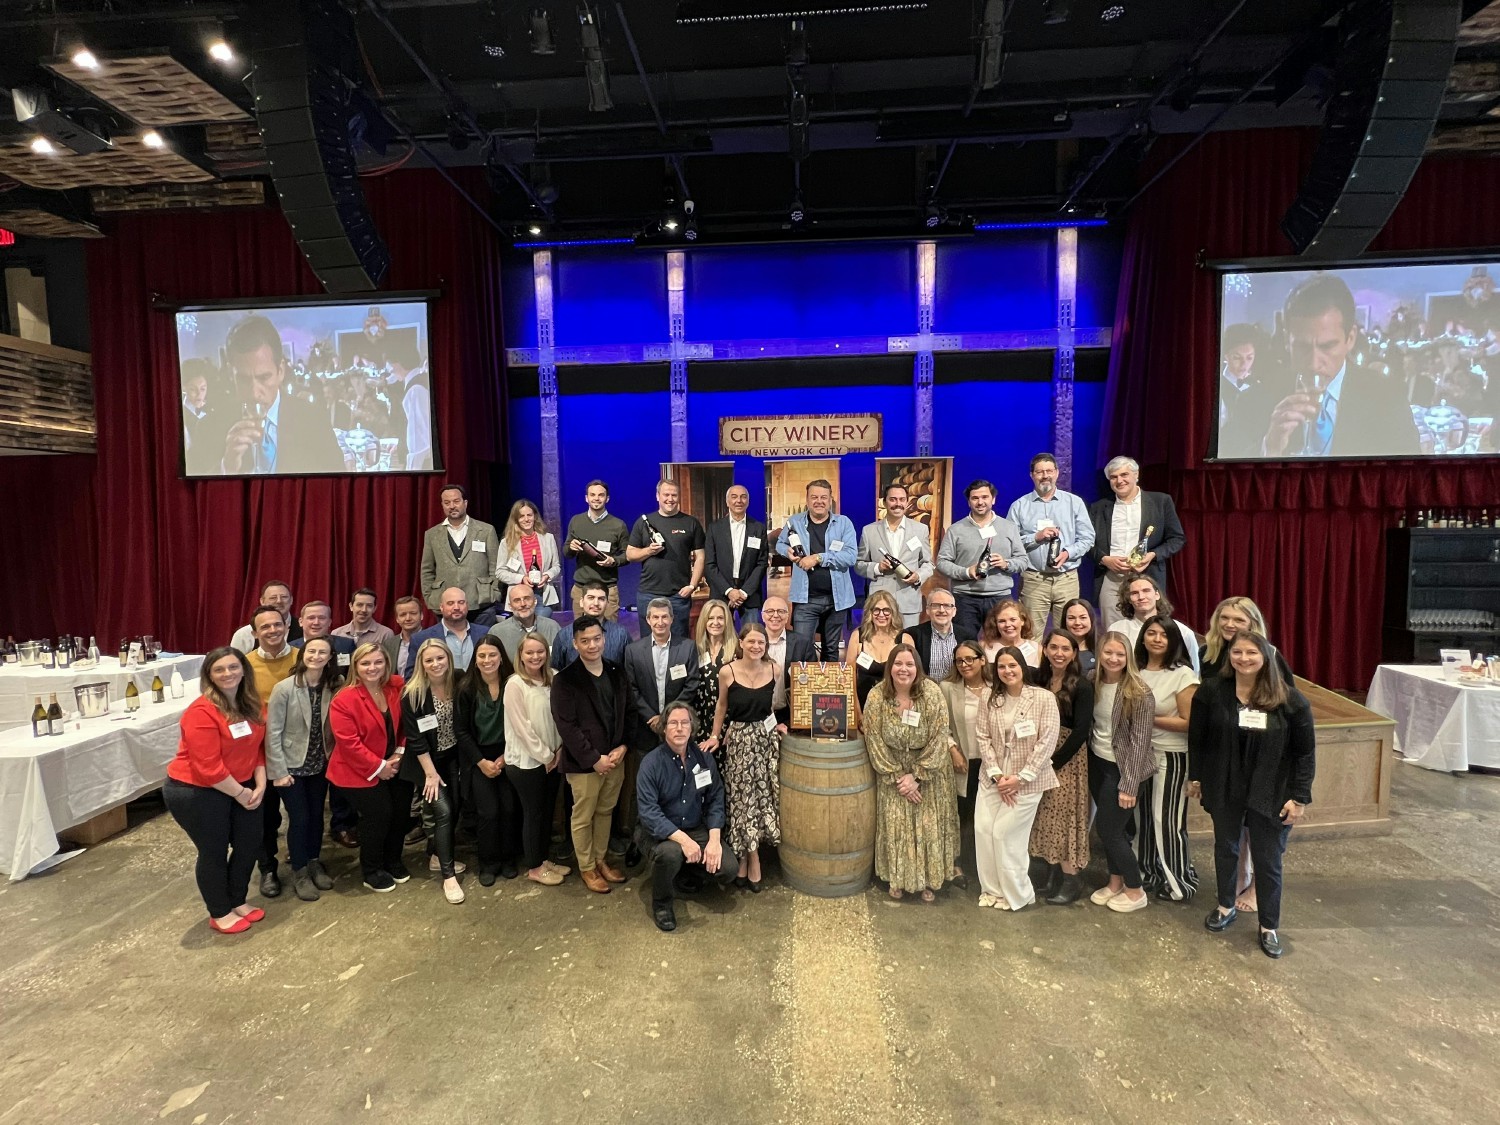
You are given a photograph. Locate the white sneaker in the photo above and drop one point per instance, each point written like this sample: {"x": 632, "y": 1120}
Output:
{"x": 1125, "y": 905}
{"x": 986, "y": 900}
{"x": 1102, "y": 896}
{"x": 453, "y": 892}
{"x": 434, "y": 866}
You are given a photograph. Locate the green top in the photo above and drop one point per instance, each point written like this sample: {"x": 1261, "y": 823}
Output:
{"x": 610, "y": 530}
{"x": 489, "y": 719}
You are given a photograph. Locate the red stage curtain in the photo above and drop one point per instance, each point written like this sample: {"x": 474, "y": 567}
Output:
{"x": 184, "y": 560}
{"x": 1305, "y": 542}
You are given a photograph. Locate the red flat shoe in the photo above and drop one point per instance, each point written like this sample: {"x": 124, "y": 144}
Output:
{"x": 238, "y": 927}
{"x": 255, "y": 915}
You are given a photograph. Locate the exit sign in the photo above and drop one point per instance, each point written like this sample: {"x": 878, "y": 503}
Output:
{"x": 7, "y": 237}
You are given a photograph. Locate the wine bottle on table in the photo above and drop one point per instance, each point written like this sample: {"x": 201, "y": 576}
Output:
{"x": 132, "y": 696}
{"x": 65, "y": 652}
{"x": 177, "y": 687}
{"x": 54, "y": 716}
{"x": 124, "y": 651}
{"x": 1139, "y": 551}
{"x": 93, "y": 651}
{"x": 49, "y": 658}
{"x": 39, "y": 720}
{"x": 158, "y": 689}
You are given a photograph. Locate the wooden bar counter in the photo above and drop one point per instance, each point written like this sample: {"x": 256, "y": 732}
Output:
{"x": 1352, "y": 787}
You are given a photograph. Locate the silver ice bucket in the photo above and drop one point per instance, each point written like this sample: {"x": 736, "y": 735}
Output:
{"x": 93, "y": 699}
{"x": 29, "y": 654}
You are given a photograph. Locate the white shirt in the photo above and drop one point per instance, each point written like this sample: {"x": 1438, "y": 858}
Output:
{"x": 1125, "y": 526}
{"x": 660, "y": 653}
{"x": 1102, "y": 733}
{"x": 1164, "y": 688}
{"x": 458, "y": 536}
{"x": 736, "y": 543}
{"x": 776, "y": 650}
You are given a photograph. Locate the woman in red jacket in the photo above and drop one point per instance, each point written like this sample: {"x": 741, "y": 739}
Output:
{"x": 215, "y": 785}
{"x": 367, "y": 747}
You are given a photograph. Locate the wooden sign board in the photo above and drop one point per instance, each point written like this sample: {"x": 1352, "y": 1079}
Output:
{"x": 800, "y": 435}
{"x": 811, "y": 679}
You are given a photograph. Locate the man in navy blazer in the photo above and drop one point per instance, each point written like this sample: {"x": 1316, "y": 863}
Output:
{"x": 1120, "y": 521}
{"x": 736, "y": 557}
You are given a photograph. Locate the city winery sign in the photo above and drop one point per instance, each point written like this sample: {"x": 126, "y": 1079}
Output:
{"x": 800, "y": 435}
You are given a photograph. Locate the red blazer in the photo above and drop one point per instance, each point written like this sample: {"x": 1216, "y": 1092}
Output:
{"x": 359, "y": 739}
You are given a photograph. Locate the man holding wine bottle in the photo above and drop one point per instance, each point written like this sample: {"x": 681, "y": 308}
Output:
{"x": 1135, "y": 532}
{"x": 1057, "y": 534}
{"x": 597, "y": 540}
{"x": 822, "y": 546}
{"x": 669, "y": 546}
{"x": 895, "y": 555}
{"x": 737, "y": 552}
{"x": 982, "y": 553}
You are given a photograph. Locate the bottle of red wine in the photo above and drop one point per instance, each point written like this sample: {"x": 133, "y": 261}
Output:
{"x": 64, "y": 652}
{"x": 982, "y": 567}
{"x": 899, "y": 568}
{"x": 1054, "y": 552}
{"x": 54, "y": 716}
{"x": 794, "y": 541}
{"x": 590, "y": 552}
{"x": 49, "y": 658}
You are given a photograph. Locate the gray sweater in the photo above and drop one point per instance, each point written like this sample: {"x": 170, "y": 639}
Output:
{"x": 962, "y": 547}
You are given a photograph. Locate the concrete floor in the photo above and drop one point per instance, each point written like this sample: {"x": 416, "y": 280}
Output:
{"x": 529, "y": 1004}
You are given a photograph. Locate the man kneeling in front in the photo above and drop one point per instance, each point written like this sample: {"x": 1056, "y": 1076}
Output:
{"x": 680, "y": 793}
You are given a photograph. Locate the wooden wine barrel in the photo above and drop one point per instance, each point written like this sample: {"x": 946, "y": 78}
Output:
{"x": 827, "y": 816}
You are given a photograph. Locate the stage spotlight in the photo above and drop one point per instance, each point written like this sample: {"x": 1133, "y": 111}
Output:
{"x": 152, "y": 139}
{"x": 933, "y": 216}
{"x": 798, "y": 211}
{"x": 534, "y": 229}
{"x": 799, "y": 127}
{"x": 690, "y": 230}
{"x": 84, "y": 58}
{"x": 669, "y": 224}
{"x": 541, "y": 33}
{"x": 1056, "y": 11}
{"x": 220, "y": 51}
{"x": 594, "y": 70}
{"x": 1112, "y": 13}
{"x": 42, "y": 146}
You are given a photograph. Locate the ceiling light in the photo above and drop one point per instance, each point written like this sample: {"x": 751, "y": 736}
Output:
{"x": 541, "y": 33}
{"x": 42, "y": 146}
{"x": 534, "y": 229}
{"x": 85, "y": 58}
{"x": 594, "y": 70}
{"x": 1112, "y": 12}
{"x": 152, "y": 139}
{"x": 220, "y": 51}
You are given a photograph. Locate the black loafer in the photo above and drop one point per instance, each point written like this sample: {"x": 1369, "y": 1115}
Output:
{"x": 1270, "y": 944}
{"x": 754, "y": 885}
{"x": 509, "y": 870}
{"x": 486, "y": 878}
{"x": 1217, "y": 921}
{"x": 665, "y": 920}
{"x": 632, "y": 855}
{"x": 270, "y": 884}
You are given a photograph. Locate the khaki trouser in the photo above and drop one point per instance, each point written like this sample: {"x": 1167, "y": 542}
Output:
{"x": 594, "y": 797}
{"x": 611, "y": 606}
{"x": 1044, "y": 594}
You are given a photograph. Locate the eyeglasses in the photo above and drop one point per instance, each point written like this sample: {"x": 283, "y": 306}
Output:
{"x": 880, "y": 610}
{"x": 968, "y": 660}
{"x": 941, "y": 605}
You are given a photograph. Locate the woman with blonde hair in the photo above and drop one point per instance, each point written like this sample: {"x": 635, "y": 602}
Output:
{"x": 1120, "y": 759}
{"x": 716, "y": 648}
{"x": 531, "y": 746}
{"x": 1230, "y": 617}
{"x": 431, "y": 760}
{"x": 528, "y": 556}
{"x": 870, "y": 647}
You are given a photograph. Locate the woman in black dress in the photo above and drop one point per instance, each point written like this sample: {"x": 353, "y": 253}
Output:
{"x": 716, "y": 648}
{"x": 870, "y": 647}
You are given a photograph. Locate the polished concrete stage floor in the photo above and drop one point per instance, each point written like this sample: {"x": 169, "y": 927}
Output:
{"x": 532, "y": 1004}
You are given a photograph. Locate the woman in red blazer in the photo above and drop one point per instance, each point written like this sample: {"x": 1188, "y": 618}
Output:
{"x": 215, "y": 785}
{"x": 367, "y": 746}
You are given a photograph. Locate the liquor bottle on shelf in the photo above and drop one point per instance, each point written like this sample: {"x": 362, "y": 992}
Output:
{"x": 132, "y": 696}
{"x": 158, "y": 689}
{"x": 898, "y": 568}
{"x": 49, "y": 658}
{"x": 54, "y": 716}
{"x": 794, "y": 542}
{"x": 39, "y": 719}
{"x": 1139, "y": 551}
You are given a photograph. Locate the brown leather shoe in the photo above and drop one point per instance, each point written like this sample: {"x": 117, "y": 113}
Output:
{"x": 594, "y": 881}
{"x": 346, "y": 839}
{"x": 610, "y": 873}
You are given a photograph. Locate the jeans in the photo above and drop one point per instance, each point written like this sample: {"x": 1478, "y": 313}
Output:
{"x": 1111, "y": 821}
{"x": 969, "y": 615}
{"x": 667, "y": 862}
{"x": 383, "y": 811}
{"x": 227, "y": 836}
{"x": 1268, "y": 838}
{"x": 543, "y": 610}
{"x": 439, "y": 816}
{"x": 536, "y": 795}
{"x": 304, "y": 813}
{"x": 682, "y": 610}
{"x": 498, "y": 817}
{"x": 817, "y": 615}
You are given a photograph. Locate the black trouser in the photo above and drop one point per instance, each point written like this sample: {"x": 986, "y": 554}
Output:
{"x": 1267, "y": 843}
{"x": 536, "y": 796}
{"x": 304, "y": 814}
{"x": 498, "y": 810}
{"x": 667, "y": 862}
{"x": 270, "y": 825}
{"x": 383, "y": 811}
{"x": 227, "y": 836}
{"x": 1111, "y": 821}
{"x": 439, "y": 816}
{"x": 342, "y": 816}
{"x": 627, "y": 813}
{"x": 817, "y": 615}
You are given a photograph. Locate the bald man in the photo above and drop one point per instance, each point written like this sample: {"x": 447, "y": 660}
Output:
{"x": 737, "y": 551}
{"x": 452, "y": 629}
{"x": 786, "y": 649}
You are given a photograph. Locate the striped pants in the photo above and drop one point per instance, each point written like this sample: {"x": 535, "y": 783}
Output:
{"x": 1161, "y": 838}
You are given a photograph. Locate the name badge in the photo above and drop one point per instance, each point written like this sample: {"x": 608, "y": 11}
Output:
{"x": 1025, "y": 728}
{"x": 602, "y": 546}
{"x": 752, "y": 541}
{"x": 836, "y": 545}
{"x": 987, "y": 532}
{"x": 427, "y": 722}
{"x": 343, "y": 660}
{"x": 770, "y": 724}
{"x": 913, "y": 544}
{"x": 911, "y": 718}
{"x": 677, "y": 672}
{"x": 240, "y": 729}
{"x": 864, "y": 660}
{"x": 702, "y": 779}
{"x": 1252, "y": 720}
{"x": 481, "y": 546}
{"x": 1043, "y": 525}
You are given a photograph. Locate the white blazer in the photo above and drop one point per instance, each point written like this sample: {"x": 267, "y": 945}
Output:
{"x": 511, "y": 570}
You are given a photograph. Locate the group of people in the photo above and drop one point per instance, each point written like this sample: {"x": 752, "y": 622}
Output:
{"x": 1040, "y": 714}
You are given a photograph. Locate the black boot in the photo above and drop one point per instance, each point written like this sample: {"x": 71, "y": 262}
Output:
{"x": 1054, "y": 880}
{"x": 1069, "y": 889}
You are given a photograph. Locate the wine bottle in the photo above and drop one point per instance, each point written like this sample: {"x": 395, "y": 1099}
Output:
{"x": 982, "y": 567}
{"x": 177, "y": 687}
{"x": 65, "y": 652}
{"x": 794, "y": 541}
{"x": 49, "y": 658}
{"x": 899, "y": 568}
{"x": 656, "y": 537}
{"x": 158, "y": 689}
{"x": 39, "y": 725}
{"x": 590, "y": 552}
{"x": 124, "y": 651}
{"x": 54, "y": 716}
{"x": 132, "y": 696}
{"x": 93, "y": 650}
{"x": 1138, "y": 552}
{"x": 1054, "y": 552}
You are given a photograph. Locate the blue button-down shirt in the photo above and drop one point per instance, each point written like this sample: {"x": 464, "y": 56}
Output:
{"x": 837, "y": 559}
{"x": 668, "y": 796}
{"x": 1068, "y": 514}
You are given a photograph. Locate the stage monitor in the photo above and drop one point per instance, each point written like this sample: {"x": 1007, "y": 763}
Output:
{"x": 307, "y": 387}
{"x": 1398, "y": 360}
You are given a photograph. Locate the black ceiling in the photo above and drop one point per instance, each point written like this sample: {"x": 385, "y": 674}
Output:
{"x": 897, "y": 115}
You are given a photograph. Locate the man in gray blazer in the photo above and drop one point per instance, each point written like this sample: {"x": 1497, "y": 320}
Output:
{"x": 911, "y": 545}
{"x": 460, "y": 552}
{"x": 661, "y": 668}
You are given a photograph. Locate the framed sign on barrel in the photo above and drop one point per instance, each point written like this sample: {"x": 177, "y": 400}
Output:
{"x": 812, "y": 681}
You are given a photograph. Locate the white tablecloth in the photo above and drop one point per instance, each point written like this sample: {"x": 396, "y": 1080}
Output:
{"x": 55, "y": 782}
{"x": 19, "y": 686}
{"x": 1439, "y": 724}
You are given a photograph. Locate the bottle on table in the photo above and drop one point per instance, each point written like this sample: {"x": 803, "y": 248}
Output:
{"x": 39, "y": 725}
{"x": 49, "y": 658}
{"x": 65, "y": 652}
{"x": 124, "y": 651}
{"x": 132, "y": 696}
{"x": 158, "y": 689}
{"x": 54, "y": 716}
{"x": 93, "y": 651}
{"x": 11, "y": 655}
{"x": 177, "y": 688}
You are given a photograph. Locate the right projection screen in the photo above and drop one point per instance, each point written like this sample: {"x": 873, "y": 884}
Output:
{"x": 1360, "y": 361}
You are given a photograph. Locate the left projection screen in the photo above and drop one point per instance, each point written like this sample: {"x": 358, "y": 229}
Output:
{"x": 305, "y": 389}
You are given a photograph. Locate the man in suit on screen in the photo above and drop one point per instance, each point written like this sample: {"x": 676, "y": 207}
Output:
{"x": 276, "y": 432}
{"x": 1326, "y": 405}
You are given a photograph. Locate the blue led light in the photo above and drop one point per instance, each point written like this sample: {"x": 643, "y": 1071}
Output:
{"x": 1044, "y": 224}
{"x": 574, "y": 242}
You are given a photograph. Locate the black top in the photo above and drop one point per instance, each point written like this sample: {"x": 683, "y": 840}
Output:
{"x": 669, "y": 571}
{"x": 390, "y": 734}
{"x": 605, "y": 689}
{"x": 820, "y": 578}
{"x": 1248, "y": 768}
{"x": 865, "y": 679}
{"x": 747, "y": 704}
{"x": 439, "y": 743}
{"x": 1076, "y": 718}
{"x": 1210, "y": 670}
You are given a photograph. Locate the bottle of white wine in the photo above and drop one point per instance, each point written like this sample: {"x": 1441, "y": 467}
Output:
{"x": 158, "y": 689}
{"x": 177, "y": 686}
{"x": 1138, "y": 552}
{"x": 54, "y": 716}
{"x": 39, "y": 719}
{"x": 132, "y": 696}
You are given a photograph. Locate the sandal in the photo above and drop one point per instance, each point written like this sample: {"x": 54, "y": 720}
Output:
{"x": 896, "y": 893}
{"x": 928, "y": 896}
